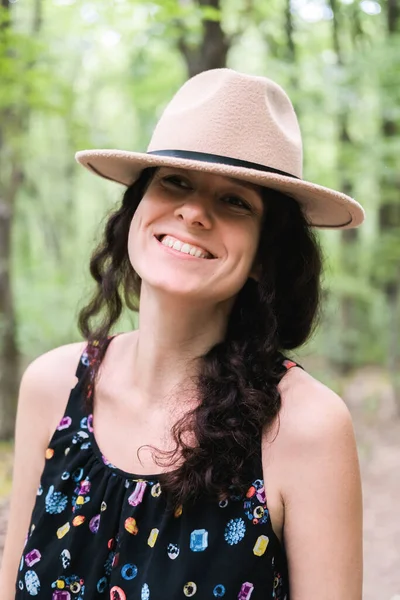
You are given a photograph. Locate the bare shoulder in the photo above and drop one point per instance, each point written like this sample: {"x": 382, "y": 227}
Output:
{"x": 47, "y": 381}
{"x": 309, "y": 408}
{"x": 310, "y": 413}
{"x": 320, "y": 485}
{"x": 314, "y": 423}
{"x": 61, "y": 361}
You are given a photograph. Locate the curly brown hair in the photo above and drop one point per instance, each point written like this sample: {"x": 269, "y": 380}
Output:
{"x": 238, "y": 378}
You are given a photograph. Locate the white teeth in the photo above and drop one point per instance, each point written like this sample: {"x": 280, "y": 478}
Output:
{"x": 184, "y": 247}
{"x": 177, "y": 245}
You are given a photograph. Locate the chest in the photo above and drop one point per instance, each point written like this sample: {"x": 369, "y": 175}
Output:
{"x": 129, "y": 437}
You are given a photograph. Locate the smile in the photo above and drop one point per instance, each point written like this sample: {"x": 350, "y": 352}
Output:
{"x": 172, "y": 242}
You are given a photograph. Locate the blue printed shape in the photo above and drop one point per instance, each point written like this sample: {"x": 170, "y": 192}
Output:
{"x": 145, "y": 595}
{"x": 219, "y": 591}
{"x": 102, "y": 585}
{"x": 235, "y": 531}
{"x": 55, "y": 502}
{"x": 199, "y": 540}
{"x": 129, "y": 571}
{"x": 32, "y": 583}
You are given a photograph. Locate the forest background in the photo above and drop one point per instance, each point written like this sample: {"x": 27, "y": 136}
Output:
{"x": 76, "y": 74}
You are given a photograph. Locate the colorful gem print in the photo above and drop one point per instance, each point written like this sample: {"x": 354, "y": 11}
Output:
{"x": 130, "y": 525}
{"x": 173, "y": 551}
{"x": 145, "y": 595}
{"x": 261, "y": 545}
{"x": 68, "y": 588}
{"x": 102, "y": 585}
{"x": 198, "y": 540}
{"x": 255, "y": 506}
{"x": 137, "y": 495}
{"x": 235, "y": 531}
{"x": 65, "y": 558}
{"x": 94, "y": 524}
{"x": 129, "y": 571}
{"x": 116, "y": 593}
{"x": 219, "y": 591}
{"x": 152, "y": 537}
{"x": 156, "y": 490}
{"x": 63, "y": 530}
{"x": 32, "y": 558}
{"x": 56, "y": 502}
{"x": 189, "y": 589}
{"x": 278, "y": 583}
{"x": 32, "y": 583}
{"x": 246, "y": 591}
{"x": 64, "y": 423}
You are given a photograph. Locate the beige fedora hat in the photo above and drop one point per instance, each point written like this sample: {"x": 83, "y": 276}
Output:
{"x": 232, "y": 124}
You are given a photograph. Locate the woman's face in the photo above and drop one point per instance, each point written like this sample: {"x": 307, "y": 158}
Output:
{"x": 196, "y": 235}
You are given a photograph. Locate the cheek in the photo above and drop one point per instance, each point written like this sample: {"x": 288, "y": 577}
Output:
{"x": 245, "y": 248}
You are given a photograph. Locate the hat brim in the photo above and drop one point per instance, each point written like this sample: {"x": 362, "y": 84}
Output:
{"x": 324, "y": 208}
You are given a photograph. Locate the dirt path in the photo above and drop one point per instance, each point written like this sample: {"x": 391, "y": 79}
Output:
{"x": 380, "y": 473}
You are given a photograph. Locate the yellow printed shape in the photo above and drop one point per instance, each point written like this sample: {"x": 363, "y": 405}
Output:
{"x": 178, "y": 511}
{"x": 189, "y": 589}
{"x": 156, "y": 490}
{"x": 130, "y": 525}
{"x": 152, "y": 537}
{"x": 61, "y": 531}
{"x": 261, "y": 545}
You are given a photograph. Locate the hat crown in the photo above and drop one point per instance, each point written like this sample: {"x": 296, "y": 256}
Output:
{"x": 232, "y": 114}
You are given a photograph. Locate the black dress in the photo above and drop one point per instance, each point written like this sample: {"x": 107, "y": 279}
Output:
{"x": 100, "y": 533}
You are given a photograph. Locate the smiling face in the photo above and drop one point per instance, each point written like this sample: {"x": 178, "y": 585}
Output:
{"x": 195, "y": 234}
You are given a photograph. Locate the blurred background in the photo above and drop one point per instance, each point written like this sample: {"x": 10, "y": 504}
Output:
{"x": 76, "y": 74}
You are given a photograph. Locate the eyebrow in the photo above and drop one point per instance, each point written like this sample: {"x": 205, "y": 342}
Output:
{"x": 253, "y": 187}
{"x": 246, "y": 184}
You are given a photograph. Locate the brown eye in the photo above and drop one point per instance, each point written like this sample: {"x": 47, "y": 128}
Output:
{"x": 176, "y": 181}
{"x": 237, "y": 202}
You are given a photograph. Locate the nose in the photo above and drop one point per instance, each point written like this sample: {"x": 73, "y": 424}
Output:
{"x": 195, "y": 212}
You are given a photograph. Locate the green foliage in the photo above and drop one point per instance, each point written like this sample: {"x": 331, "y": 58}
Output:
{"x": 99, "y": 75}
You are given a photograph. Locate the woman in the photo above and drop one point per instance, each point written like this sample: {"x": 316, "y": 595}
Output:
{"x": 192, "y": 458}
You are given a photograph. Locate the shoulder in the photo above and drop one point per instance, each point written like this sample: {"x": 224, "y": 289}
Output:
{"x": 47, "y": 381}
{"x": 310, "y": 409}
{"x": 320, "y": 487}
{"x": 55, "y": 367}
{"x": 313, "y": 422}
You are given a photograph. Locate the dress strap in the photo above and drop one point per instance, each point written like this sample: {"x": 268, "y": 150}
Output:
{"x": 289, "y": 364}
{"x": 90, "y": 355}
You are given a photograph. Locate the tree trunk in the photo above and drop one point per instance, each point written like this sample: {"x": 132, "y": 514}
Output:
{"x": 9, "y": 355}
{"x": 347, "y": 312}
{"x": 212, "y": 51}
{"x": 10, "y": 181}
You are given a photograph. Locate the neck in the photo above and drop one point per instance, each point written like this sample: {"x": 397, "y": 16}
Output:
{"x": 173, "y": 334}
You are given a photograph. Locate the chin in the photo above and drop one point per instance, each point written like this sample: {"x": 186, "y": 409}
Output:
{"x": 187, "y": 290}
